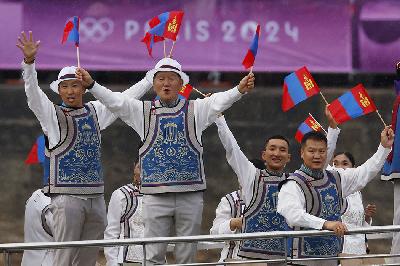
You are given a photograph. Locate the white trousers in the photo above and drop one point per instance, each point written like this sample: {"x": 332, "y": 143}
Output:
{"x": 77, "y": 219}
{"x": 167, "y": 212}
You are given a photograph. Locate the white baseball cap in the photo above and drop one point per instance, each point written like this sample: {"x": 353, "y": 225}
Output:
{"x": 67, "y": 73}
{"x": 167, "y": 65}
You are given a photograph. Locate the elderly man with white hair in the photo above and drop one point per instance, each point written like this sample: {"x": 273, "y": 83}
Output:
{"x": 171, "y": 161}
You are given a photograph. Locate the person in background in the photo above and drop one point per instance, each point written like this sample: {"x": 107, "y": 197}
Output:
{"x": 125, "y": 220}
{"x": 355, "y": 215}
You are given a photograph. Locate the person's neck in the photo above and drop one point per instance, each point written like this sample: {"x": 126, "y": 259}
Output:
{"x": 314, "y": 173}
{"x": 275, "y": 172}
{"x": 169, "y": 103}
{"x": 72, "y": 107}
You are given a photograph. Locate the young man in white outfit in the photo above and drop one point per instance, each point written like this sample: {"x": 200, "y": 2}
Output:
{"x": 38, "y": 227}
{"x": 312, "y": 197}
{"x": 171, "y": 161}
{"x": 260, "y": 189}
{"x": 72, "y": 166}
{"x": 125, "y": 220}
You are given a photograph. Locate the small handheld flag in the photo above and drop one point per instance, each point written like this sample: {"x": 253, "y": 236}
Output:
{"x": 71, "y": 33}
{"x": 36, "y": 155}
{"x": 250, "y": 57}
{"x": 310, "y": 124}
{"x": 352, "y": 104}
{"x": 164, "y": 26}
{"x": 169, "y": 25}
{"x": 297, "y": 87}
{"x": 186, "y": 90}
{"x": 150, "y": 39}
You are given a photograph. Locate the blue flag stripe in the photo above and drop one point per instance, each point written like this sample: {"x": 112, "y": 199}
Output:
{"x": 295, "y": 89}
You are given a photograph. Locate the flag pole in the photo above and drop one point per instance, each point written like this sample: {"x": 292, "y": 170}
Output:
{"x": 323, "y": 97}
{"x": 199, "y": 92}
{"x": 377, "y": 111}
{"x": 251, "y": 69}
{"x": 165, "y": 52}
{"x": 318, "y": 123}
{"x": 172, "y": 48}
{"x": 77, "y": 56}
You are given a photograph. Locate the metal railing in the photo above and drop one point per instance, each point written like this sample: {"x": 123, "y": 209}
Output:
{"x": 10, "y": 248}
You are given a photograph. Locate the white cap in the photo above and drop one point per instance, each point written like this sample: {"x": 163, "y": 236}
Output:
{"x": 67, "y": 73}
{"x": 167, "y": 65}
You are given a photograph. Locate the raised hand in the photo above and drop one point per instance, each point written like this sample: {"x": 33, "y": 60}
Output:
{"x": 331, "y": 120}
{"x": 387, "y": 137}
{"x": 28, "y": 46}
{"x": 247, "y": 83}
{"x": 84, "y": 76}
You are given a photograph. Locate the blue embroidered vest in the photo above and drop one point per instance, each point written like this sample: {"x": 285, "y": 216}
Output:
{"x": 237, "y": 207}
{"x": 261, "y": 216}
{"x": 323, "y": 199}
{"x": 73, "y": 166}
{"x": 171, "y": 156}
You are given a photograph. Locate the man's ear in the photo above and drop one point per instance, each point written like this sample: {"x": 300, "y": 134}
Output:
{"x": 289, "y": 157}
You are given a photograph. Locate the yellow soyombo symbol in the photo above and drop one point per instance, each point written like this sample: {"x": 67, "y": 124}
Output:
{"x": 183, "y": 89}
{"x": 364, "y": 100}
{"x": 172, "y": 26}
{"x": 315, "y": 126}
{"x": 308, "y": 83}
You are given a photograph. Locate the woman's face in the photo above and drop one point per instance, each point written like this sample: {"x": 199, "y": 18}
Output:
{"x": 342, "y": 161}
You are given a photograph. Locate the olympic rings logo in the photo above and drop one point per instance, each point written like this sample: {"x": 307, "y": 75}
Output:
{"x": 95, "y": 30}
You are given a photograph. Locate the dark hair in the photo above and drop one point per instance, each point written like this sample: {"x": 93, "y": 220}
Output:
{"x": 277, "y": 137}
{"x": 348, "y": 155}
{"x": 258, "y": 163}
{"x": 313, "y": 135}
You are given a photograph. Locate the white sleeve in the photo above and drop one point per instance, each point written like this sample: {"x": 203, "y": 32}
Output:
{"x": 106, "y": 117}
{"x": 243, "y": 168}
{"x": 221, "y": 223}
{"x": 49, "y": 220}
{"x": 129, "y": 109}
{"x": 291, "y": 205}
{"x": 206, "y": 110}
{"x": 354, "y": 179}
{"x": 332, "y": 136}
{"x": 113, "y": 229}
{"x": 40, "y": 104}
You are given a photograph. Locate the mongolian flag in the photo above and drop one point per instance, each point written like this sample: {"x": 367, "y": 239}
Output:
{"x": 308, "y": 125}
{"x": 71, "y": 31}
{"x": 250, "y": 57}
{"x": 186, "y": 90}
{"x": 391, "y": 168}
{"x": 352, "y": 104}
{"x": 150, "y": 39}
{"x": 36, "y": 155}
{"x": 297, "y": 87}
{"x": 168, "y": 25}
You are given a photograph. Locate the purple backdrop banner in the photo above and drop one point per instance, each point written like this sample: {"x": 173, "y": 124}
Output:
{"x": 379, "y": 35}
{"x": 215, "y": 35}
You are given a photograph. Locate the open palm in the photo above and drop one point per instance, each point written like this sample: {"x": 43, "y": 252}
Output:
{"x": 28, "y": 46}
